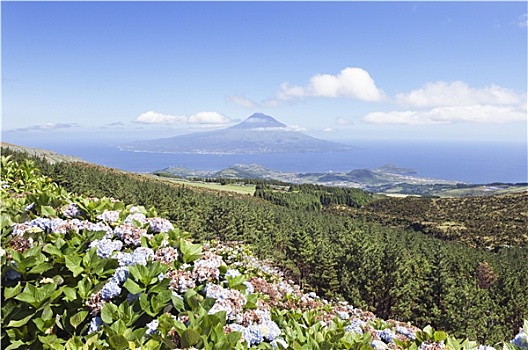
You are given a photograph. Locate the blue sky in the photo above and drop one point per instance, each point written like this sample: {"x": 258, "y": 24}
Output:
{"x": 336, "y": 70}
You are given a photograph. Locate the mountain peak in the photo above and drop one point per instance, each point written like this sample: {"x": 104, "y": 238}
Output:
{"x": 259, "y": 120}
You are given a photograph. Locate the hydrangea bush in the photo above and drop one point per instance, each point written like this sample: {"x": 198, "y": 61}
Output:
{"x": 89, "y": 273}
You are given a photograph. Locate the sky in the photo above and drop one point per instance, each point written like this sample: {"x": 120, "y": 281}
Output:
{"x": 336, "y": 70}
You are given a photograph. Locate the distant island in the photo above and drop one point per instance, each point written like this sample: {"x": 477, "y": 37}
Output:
{"x": 387, "y": 179}
{"x": 257, "y": 134}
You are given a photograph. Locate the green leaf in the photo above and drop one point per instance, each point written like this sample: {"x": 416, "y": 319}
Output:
{"x": 84, "y": 287}
{"x": 69, "y": 293}
{"x": 40, "y": 268}
{"x": 132, "y": 286}
{"x": 439, "y": 336}
{"x": 21, "y": 322}
{"x": 189, "y": 338}
{"x": 47, "y": 211}
{"x": 15, "y": 345}
{"x": 11, "y": 292}
{"x": 177, "y": 302}
{"x": 47, "y": 313}
{"x": 52, "y": 250}
{"x": 78, "y": 318}
{"x": 190, "y": 252}
{"x": 108, "y": 312}
{"x": 118, "y": 342}
{"x": 73, "y": 263}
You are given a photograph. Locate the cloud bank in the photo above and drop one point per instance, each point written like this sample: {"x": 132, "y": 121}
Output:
{"x": 450, "y": 102}
{"x": 46, "y": 127}
{"x": 457, "y": 93}
{"x": 444, "y": 115}
{"x": 351, "y": 82}
{"x": 152, "y": 117}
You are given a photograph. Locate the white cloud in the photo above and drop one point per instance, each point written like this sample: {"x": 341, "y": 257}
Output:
{"x": 328, "y": 130}
{"x": 47, "y": 127}
{"x": 241, "y": 101}
{"x": 458, "y": 93}
{"x": 443, "y": 115}
{"x": 152, "y": 117}
{"x": 343, "y": 121}
{"x": 350, "y": 82}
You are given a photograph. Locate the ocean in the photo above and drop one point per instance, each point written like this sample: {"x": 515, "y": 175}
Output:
{"x": 468, "y": 162}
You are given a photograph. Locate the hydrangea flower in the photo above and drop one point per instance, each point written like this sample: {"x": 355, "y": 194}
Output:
{"x": 166, "y": 255}
{"x": 131, "y": 297}
{"x": 356, "y": 326}
{"x": 130, "y": 234}
{"x": 180, "y": 280}
{"x": 11, "y": 275}
{"x": 135, "y": 216}
{"x": 249, "y": 287}
{"x": 120, "y": 275}
{"x": 152, "y": 327}
{"x": 29, "y": 207}
{"x": 252, "y": 335}
{"x": 407, "y": 332}
{"x": 43, "y": 224}
{"x": 229, "y": 300}
{"x": 95, "y": 227}
{"x": 280, "y": 341}
{"x": 387, "y": 335}
{"x": 485, "y": 347}
{"x": 231, "y": 273}
{"x": 110, "y": 290}
{"x": 140, "y": 256}
{"x": 343, "y": 315}
{"x": 269, "y": 329}
{"x": 206, "y": 268}
{"x": 109, "y": 216}
{"x": 158, "y": 225}
{"x": 521, "y": 340}
{"x": 95, "y": 324}
{"x": 105, "y": 247}
{"x": 71, "y": 211}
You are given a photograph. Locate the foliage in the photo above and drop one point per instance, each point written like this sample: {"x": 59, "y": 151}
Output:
{"x": 398, "y": 274}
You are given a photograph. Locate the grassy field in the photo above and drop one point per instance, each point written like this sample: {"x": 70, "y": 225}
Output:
{"x": 240, "y": 189}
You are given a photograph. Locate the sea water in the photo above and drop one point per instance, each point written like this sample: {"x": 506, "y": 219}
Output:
{"x": 469, "y": 162}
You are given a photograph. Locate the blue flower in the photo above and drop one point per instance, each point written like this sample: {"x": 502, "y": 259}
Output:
{"x": 72, "y": 211}
{"x": 152, "y": 327}
{"x": 139, "y": 256}
{"x": 132, "y": 297}
{"x": 269, "y": 329}
{"x": 343, "y": 315}
{"x": 109, "y": 216}
{"x": 231, "y": 273}
{"x": 120, "y": 275}
{"x": 253, "y": 335}
{"x": 42, "y": 223}
{"x": 158, "y": 225}
{"x": 387, "y": 335}
{"x": 406, "y": 332}
{"x": 29, "y": 208}
{"x": 11, "y": 275}
{"x": 110, "y": 290}
{"x": 356, "y": 326}
{"x": 95, "y": 324}
{"x": 521, "y": 340}
{"x": 105, "y": 247}
{"x": 249, "y": 287}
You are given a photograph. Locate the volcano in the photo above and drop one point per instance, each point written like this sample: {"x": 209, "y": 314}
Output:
{"x": 259, "y": 133}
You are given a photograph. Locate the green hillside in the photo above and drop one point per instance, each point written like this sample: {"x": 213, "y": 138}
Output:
{"x": 395, "y": 273}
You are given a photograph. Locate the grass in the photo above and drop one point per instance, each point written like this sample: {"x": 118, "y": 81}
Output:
{"x": 240, "y": 189}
